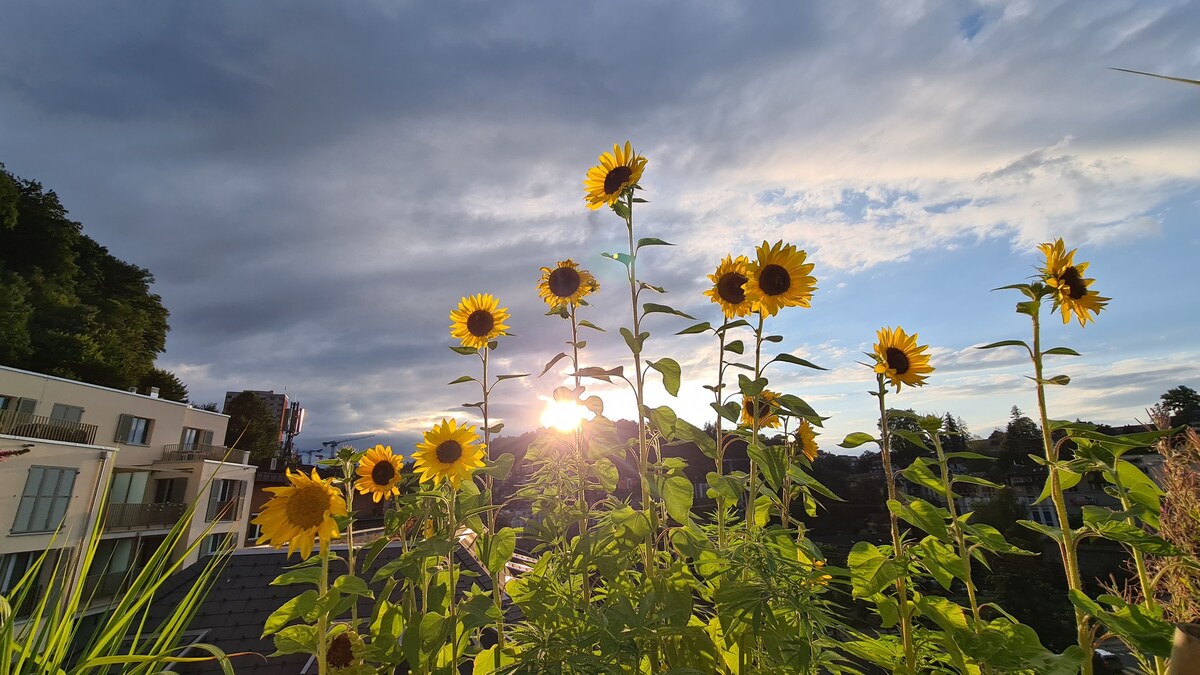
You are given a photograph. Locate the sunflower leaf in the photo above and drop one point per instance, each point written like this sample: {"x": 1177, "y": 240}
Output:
{"x": 512, "y": 376}
{"x": 652, "y": 307}
{"x": 697, "y": 328}
{"x": 639, "y": 200}
{"x": 495, "y": 428}
{"x": 651, "y": 241}
{"x": 500, "y": 467}
{"x": 588, "y": 324}
{"x": 473, "y": 405}
{"x": 465, "y": 351}
{"x": 773, "y": 338}
{"x": 621, "y": 209}
{"x": 578, "y": 345}
{"x": 623, "y": 258}
{"x": 794, "y": 405}
{"x": 856, "y": 439}
{"x": 750, "y": 387}
{"x": 733, "y": 324}
{"x": 464, "y": 378}
{"x": 550, "y": 364}
{"x": 1005, "y": 343}
{"x": 729, "y": 411}
{"x": 795, "y": 360}
{"x": 560, "y": 311}
{"x": 1061, "y": 351}
{"x": 737, "y": 347}
{"x": 650, "y": 287}
{"x": 670, "y": 374}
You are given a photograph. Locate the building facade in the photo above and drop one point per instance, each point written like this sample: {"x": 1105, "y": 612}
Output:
{"x": 79, "y": 455}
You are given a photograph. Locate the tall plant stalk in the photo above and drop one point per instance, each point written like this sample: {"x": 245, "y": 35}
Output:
{"x": 906, "y": 627}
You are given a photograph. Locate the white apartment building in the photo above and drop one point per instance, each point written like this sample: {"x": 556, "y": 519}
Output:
{"x": 149, "y": 456}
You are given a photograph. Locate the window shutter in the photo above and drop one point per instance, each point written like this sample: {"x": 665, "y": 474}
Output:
{"x": 206, "y": 437}
{"x": 123, "y": 425}
{"x": 149, "y": 431}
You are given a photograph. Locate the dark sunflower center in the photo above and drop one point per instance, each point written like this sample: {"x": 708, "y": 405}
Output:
{"x": 564, "y": 281}
{"x": 1075, "y": 286}
{"x": 730, "y": 288}
{"x": 341, "y": 652}
{"x": 383, "y": 473}
{"x": 306, "y": 507}
{"x": 480, "y": 323}
{"x": 616, "y": 178}
{"x": 774, "y": 280}
{"x": 761, "y": 409}
{"x": 448, "y": 452}
{"x": 897, "y": 360}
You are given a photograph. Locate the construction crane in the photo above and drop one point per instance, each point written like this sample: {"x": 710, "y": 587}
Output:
{"x": 333, "y": 445}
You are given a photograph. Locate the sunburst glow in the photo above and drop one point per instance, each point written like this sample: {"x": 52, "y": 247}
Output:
{"x": 563, "y": 415}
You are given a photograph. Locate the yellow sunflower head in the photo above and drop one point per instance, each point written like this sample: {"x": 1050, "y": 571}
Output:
{"x": 344, "y": 653}
{"x": 1071, "y": 293}
{"x": 478, "y": 320}
{"x": 379, "y": 473}
{"x": 808, "y": 440}
{"x": 298, "y": 513}
{"x": 566, "y": 284}
{"x": 449, "y": 452}
{"x": 617, "y": 172}
{"x": 765, "y": 404}
{"x": 729, "y": 286}
{"x": 900, "y": 360}
{"x": 779, "y": 277}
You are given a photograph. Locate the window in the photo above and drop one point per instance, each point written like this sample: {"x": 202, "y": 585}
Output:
{"x": 12, "y": 567}
{"x": 255, "y": 529}
{"x": 25, "y": 406}
{"x": 192, "y": 438}
{"x": 215, "y": 543}
{"x": 134, "y": 430}
{"x": 45, "y": 499}
{"x": 66, "y": 413}
{"x": 224, "y": 500}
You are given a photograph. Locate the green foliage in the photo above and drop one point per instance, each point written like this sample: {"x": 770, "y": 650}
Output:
{"x": 67, "y": 306}
{"x": 252, "y": 426}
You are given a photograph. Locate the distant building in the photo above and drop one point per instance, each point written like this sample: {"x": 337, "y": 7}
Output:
{"x": 278, "y": 404}
{"x": 150, "y": 457}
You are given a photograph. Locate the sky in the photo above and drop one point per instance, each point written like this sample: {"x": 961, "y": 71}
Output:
{"x": 315, "y": 186}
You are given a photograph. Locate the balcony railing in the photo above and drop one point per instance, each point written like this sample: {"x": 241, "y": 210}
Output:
{"x": 226, "y": 510}
{"x": 176, "y": 452}
{"x": 36, "y": 426}
{"x": 143, "y": 515}
{"x": 105, "y": 585}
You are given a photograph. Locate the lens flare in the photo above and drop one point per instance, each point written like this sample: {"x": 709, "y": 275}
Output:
{"x": 563, "y": 415}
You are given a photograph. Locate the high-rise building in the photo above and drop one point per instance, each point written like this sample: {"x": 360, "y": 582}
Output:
{"x": 278, "y": 404}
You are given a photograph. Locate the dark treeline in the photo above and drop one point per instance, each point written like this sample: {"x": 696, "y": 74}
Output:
{"x": 67, "y": 306}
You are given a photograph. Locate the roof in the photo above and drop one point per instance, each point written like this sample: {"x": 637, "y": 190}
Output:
{"x": 235, "y": 610}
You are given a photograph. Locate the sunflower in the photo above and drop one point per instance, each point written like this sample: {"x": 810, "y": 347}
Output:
{"x": 344, "y": 654}
{"x": 566, "y": 284}
{"x": 618, "y": 171}
{"x": 300, "y": 512}
{"x": 808, "y": 440}
{"x": 900, "y": 360}
{"x": 764, "y": 404}
{"x": 449, "y": 452}
{"x": 729, "y": 283}
{"x": 1071, "y": 293}
{"x": 478, "y": 320}
{"x": 779, "y": 278}
{"x": 379, "y": 473}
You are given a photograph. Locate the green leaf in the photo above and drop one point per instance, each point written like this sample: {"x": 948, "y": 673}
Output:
{"x": 762, "y": 510}
{"x": 296, "y": 640}
{"x": 303, "y": 575}
{"x": 1066, "y": 479}
{"x": 605, "y": 473}
{"x": 794, "y": 360}
{"x": 677, "y": 497}
{"x": 670, "y": 374}
{"x": 656, "y": 289}
{"x": 1061, "y": 380}
{"x": 729, "y": 411}
{"x": 664, "y": 419}
{"x": 696, "y": 328}
{"x": 600, "y": 373}
{"x": 751, "y": 388}
{"x": 690, "y": 432}
{"x": 498, "y": 468}
{"x": 1114, "y": 526}
{"x": 512, "y": 376}
{"x": 870, "y": 570}
{"x": 296, "y": 607}
{"x": 726, "y": 488}
{"x": 968, "y": 455}
{"x": 1052, "y": 532}
{"x": 773, "y": 338}
{"x": 635, "y": 344}
{"x": 588, "y": 324}
{"x": 653, "y": 307}
{"x": 622, "y": 258}
{"x": 912, "y": 437}
{"x": 1147, "y": 632}
{"x": 651, "y": 241}
{"x": 919, "y": 472}
{"x": 856, "y": 439}
{"x": 924, "y": 515}
{"x": 1060, "y": 351}
{"x": 352, "y": 585}
{"x": 551, "y": 362}
{"x": 465, "y": 351}
{"x": 499, "y": 550}
{"x": 771, "y": 461}
{"x": 974, "y": 480}
{"x": 464, "y": 378}
{"x": 737, "y": 347}
{"x": 1007, "y": 343}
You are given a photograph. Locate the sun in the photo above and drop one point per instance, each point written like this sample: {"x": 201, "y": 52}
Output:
{"x": 563, "y": 415}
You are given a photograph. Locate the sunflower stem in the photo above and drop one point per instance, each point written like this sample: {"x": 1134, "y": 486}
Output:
{"x": 584, "y": 584}
{"x": 752, "y": 500}
{"x": 639, "y": 386}
{"x": 323, "y": 620}
{"x": 906, "y": 628}
{"x": 347, "y": 471}
{"x": 720, "y": 461}
{"x": 1067, "y": 546}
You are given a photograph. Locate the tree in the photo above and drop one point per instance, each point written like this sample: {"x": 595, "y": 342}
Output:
{"x": 954, "y": 436}
{"x": 252, "y": 426}
{"x": 1182, "y": 402}
{"x": 1022, "y": 437}
{"x": 67, "y": 306}
{"x": 169, "y": 386}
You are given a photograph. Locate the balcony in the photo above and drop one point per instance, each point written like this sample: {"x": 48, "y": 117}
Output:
{"x": 176, "y": 452}
{"x": 143, "y": 515}
{"x": 106, "y": 585}
{"x": 36, "y": 426}
{"x": 224, "y": 511}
